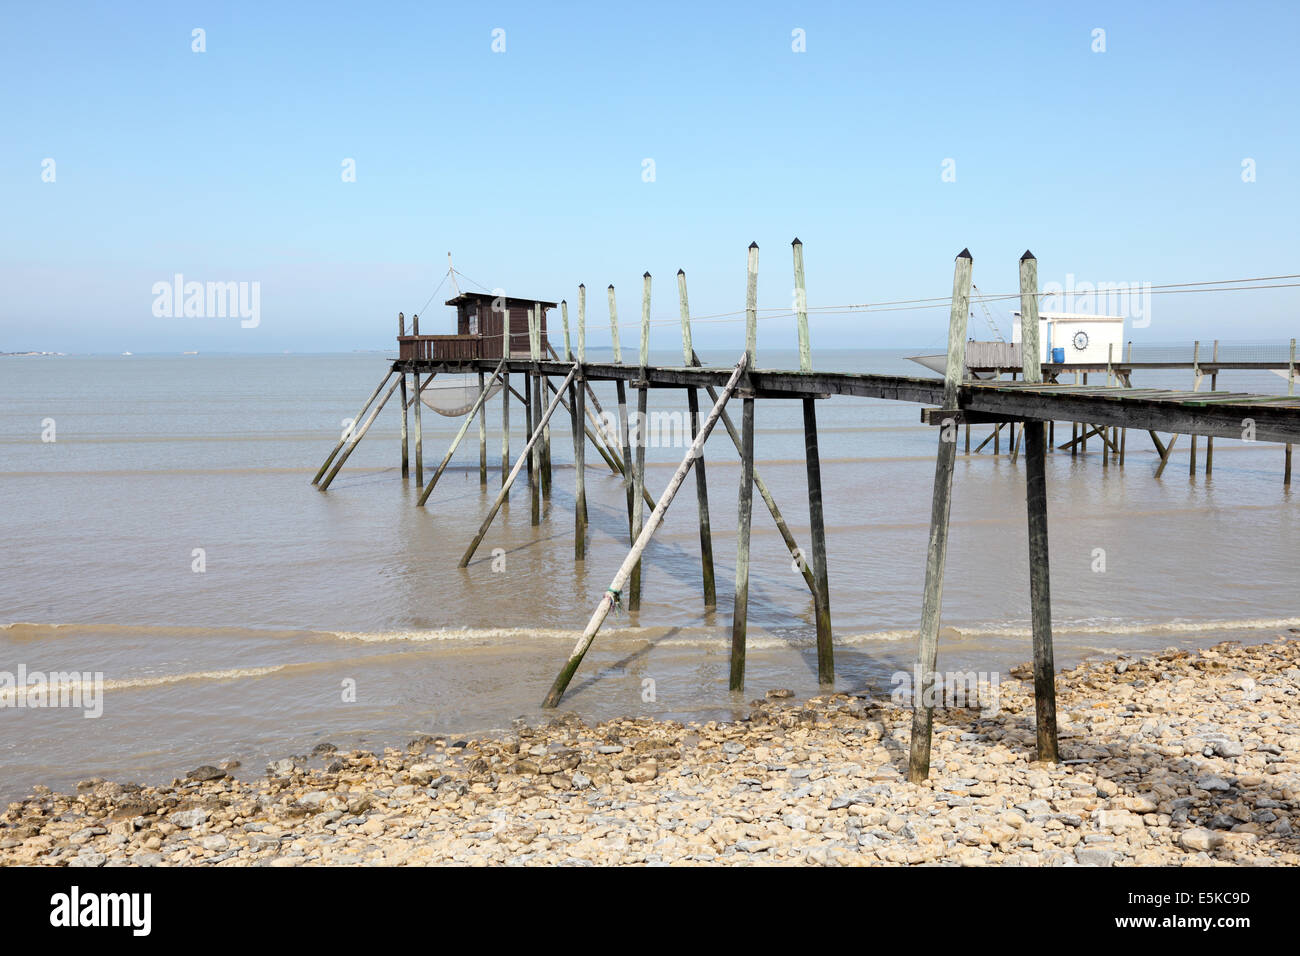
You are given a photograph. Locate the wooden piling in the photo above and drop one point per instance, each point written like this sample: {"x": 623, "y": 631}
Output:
{"x": 482, "y": 436}
{"x": 419, "y": 429}
{"x": 740, "y": 614}
{"x": 1214, "y": 387}
{"x": 505, "y": 420}
{"x": 577, "y": 398}
{"x": 406, "y": 464}
{"x": 940, "y": 508}
{"x": 638, "y": 473}
{"x": 535, "y": 404}
{"x": 543, "y": 386}
{"x": 1290, "y": 390}
{"x": 701, "y": 480}
{"x": 812, "y": 458}
{"x": 611, "y": 596}
{"x": 621, "y": 389}
{"x": 1196, "y": 378}
{"x": 1040, "y": 597}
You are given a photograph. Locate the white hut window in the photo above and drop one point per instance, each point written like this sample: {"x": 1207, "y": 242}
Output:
{"x": 473, "y": 322}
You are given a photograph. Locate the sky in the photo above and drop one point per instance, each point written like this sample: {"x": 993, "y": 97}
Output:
{"x": 600, "y": 141}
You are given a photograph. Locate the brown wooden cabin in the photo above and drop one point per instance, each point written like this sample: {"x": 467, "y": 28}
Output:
{"x": 479, "y": 330}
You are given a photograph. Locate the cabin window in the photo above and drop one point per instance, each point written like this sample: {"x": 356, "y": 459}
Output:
{"x": 473, "y": 322}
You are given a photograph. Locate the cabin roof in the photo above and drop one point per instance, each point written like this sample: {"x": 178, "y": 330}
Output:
{"x": 489, "y": 297}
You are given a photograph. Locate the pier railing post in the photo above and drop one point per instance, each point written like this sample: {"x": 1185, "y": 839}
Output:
{"x": 918, "y": 767}
{"x": 1040, "y": 592}
{"x": 701, "y": 480}
{"x": 740, "y": 613}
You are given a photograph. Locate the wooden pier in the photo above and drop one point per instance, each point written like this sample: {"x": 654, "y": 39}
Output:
{"x": 499, "y": 338}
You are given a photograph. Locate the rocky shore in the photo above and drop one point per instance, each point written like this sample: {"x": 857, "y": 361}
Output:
{"x": 1182, "y": 758}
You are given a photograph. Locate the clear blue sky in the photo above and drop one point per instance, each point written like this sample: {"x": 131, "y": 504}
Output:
{"x": 527, "y": 164}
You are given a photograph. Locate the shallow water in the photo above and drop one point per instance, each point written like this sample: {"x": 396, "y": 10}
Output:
{"x": 302, "y": 592}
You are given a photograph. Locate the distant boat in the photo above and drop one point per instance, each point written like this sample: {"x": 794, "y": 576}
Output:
{"x": 189, "y": 353}
{"x": 127, "y": 353}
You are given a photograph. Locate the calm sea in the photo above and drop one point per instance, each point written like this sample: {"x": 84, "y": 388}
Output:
{"x": 342, "y": 616}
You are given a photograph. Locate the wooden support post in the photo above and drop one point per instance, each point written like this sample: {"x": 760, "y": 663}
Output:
{"x": 611, "y": 596}
{"x": 1290, "y": 390}
{"x": 535, "y": 400}
{"x": 1196, "y": 378}
{"x": 347, "y": 434}
{"x": 357, "y": 435}
{"x": 1040, "y": 593}
{"x": 406, "y": 463}
{"x": 812, "y": 457}
{"x": 505, "y": 394}
{"x": 482, "y": 436}
{"x": 577, "y": 403}
{"x": 525, "y": 456}
{"x": 543, "y": 386}
{"x": 740, "y": 614}
{"x": 638, "y": 469}
{"x": 419, "y": 429}
{"x": 505, "y": 425}
{"x": 701, "y": 480}
{"x": 1074, "y": 429}
{"x": 621, "y": 390}
{"x": 1083, "y": 427}
{"x": 1214, "y": 387}
{"x": 464, "y": 427}
{"x": 821, "y": 596}
{"x": 918, "y": 767}
{"x": 968, "y": 438}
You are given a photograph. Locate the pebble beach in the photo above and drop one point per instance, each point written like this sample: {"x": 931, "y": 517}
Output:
{"x": 1179, "y": 758}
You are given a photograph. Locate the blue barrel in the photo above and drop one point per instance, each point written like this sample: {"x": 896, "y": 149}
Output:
{"x": 1058, "y": 356}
